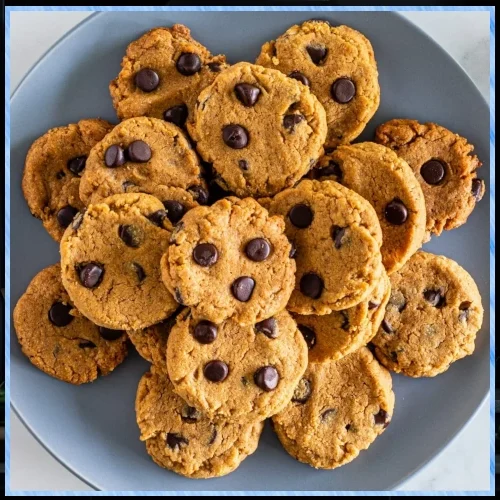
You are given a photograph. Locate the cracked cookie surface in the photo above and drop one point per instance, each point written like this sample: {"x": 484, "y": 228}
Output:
{"x": 54, "y": 165}
{"x": 338, "y": 409}
{"x": 260, "y": 130}
{"x": 338, "y": 65}
{"x": 444, "y": 166}
{"x": 110, "y": 260}
{"x": 180, "y": 438}
{"x": 57, "y": 339}
{"x": 431, "y": 319}
{"x": 236, "y": 373}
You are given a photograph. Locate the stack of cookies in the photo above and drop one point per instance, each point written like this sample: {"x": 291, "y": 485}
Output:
{"x": 230, "y": 229}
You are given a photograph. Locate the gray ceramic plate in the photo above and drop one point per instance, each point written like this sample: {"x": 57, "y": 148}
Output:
{"x": 92, "y": 429}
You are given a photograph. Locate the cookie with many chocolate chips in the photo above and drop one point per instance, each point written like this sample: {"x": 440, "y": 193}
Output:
{"x": 144, "y": 155}
{"x": 444, "y": 166}
{"x": 162, "y": 74}
{"x": 230, "y": 260}
{"x": 337, "y": 237}
{"x": 388, "y": 183}
{"x": 236, "y": 373}
{"x": 270, "y": 132}
{"x": 338, "y": 65}
{"x": 431, "y": 319}
{"x": 178, "y": 437}
{"x": 338, "y": 409}
{"x": 57, "y": 339}
{"x": 110, "y": 259}
{"x": 54, "y": 165}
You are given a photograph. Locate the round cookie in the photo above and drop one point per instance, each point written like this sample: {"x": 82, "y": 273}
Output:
{"x": 144, "y": 155}
{"x": 335, "y": 335}
{"x": 338, "y": 409}
{"x": 431, "y": 319}
{"x": 181, "y": 439}
{"x": 162, "y": 74}
{"x": 60, "y": 341}
{"x": 52, "y": 171}
{"x": 338, "y": 65}
{"x": 337, "y": 239}
{"x": 236, "y": 373}
{"x": 110, "y": 260}
{"x": 260, "y": 130}
{"x": 388, "y": 183}
{"x": 231, "y": 260}
{"x": 444, "y": 166}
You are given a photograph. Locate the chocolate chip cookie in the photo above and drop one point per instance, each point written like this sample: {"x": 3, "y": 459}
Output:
{"x": 162, "y": 74}
{"x": 444, "y": 166}
{"x": 236, "y": 373}
{"x": 338, "y": 65}
{"x": 57, "y": 339}
{"x": 230, "y": 260}
{"x": 144, "y": 155}
{"x": 336, "y": 237}
{"x": 431, "y": 319}
{"x": 54, "y": 164}
{"x": 110, "y": 260}
{"x": 338, "y": 409}
{"x": 388, "y": 183}
{"x": 335, "y": 335}
{"x": 178, "y": 437}
{"x": 260, "y": 130}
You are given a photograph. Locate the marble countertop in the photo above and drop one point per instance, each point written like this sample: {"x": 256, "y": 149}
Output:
{"x": 464, "y": 465}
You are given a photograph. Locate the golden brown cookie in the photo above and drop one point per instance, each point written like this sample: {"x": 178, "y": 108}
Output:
{"x": 431, "y": 319}
{"x": 338, "y": 409}
{"x": 110, "y": 260}
{"x": 57, "y": 339}
{"x": 180, "y": 438}
{"x": 236, "y": 373}
{"x": 444, "y": 166}
{"x": 338, "y": 65}
{"x": 54, "y": 164}
{"x": 260, "y": 130}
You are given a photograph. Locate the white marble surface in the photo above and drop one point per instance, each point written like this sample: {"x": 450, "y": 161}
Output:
{"x": 464, "y": 465}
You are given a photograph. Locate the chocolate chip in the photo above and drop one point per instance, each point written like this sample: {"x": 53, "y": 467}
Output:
{"x": 175, "y": 210}
{"x": 205, "y": 332}
{"x": 77, "y": 221}
{"x": 126, "y": 185}
{"x": 200, "y": 194}
{"x": 158, "y": 217}
{"x": 317, "y": 53}
{"x": 242, "y": 288}
{"x": 394, "y": 356}
{"x": 76, "y": 165}
{"x": 433, "y": 172}
{"x": 87, "y": 344}
{"x": 147, "y": 79}
{"x": 108, "y": 334}
{"x": 345, "y": 320}
{"x": 66, "y": 215}
{"x": 301, "y": 216}
{"x": 176, "y": 441}
{"x": 247, "y": 94}
{"x": 290, "y": 121}
{"x": 343, "y": 90}
{"x": 59, "y": 314}
{"x": 302, "y": 392}
{"x": 188, "y": 64}
{"x": 338, "y": 234}
{"x": 216, "y": 371}
{"x": 214, "y": 67}
{"x": 139, "y": 152}
{"x": 435, "y": 298}
{"x": 268, "y": 327}
{"x": 258, "y": 249}
{"x": 266, "y": 378}
{"x": 90, "y": 274}
{"x": 297, "y": 75}
{"x": 235, "y": 136}
{"x": 477, "y": 188}
{"x": 348, "y": 427}
{"x": 60, "y": 175}
{"x": 293, "y": 250}
{"x": 396, "y": 212}
{"x": 243, "y": 164}
{"x": 131, "y": 235}
{"x": 373, "y": 305}
{"x": 397, "y": 300}
{"x": 190, "y": 414}
{"x": 328, "y": 414}
{"x": 139, "y": 271}
{"x": 332, "y": 169}
{"x": 213, "y": 437}
{"x": 114, "y": 156}
{"x": 309, "y": 335}
{"x": 463, "y": 315}
{"x": 176, "y": 115}
{"x": 311, "y": 285}
{"x": 382, "y": 418}
{"x": 205, "y": 254}
{"x": 178, "y": 296}
{"x": 386, "y": 326}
